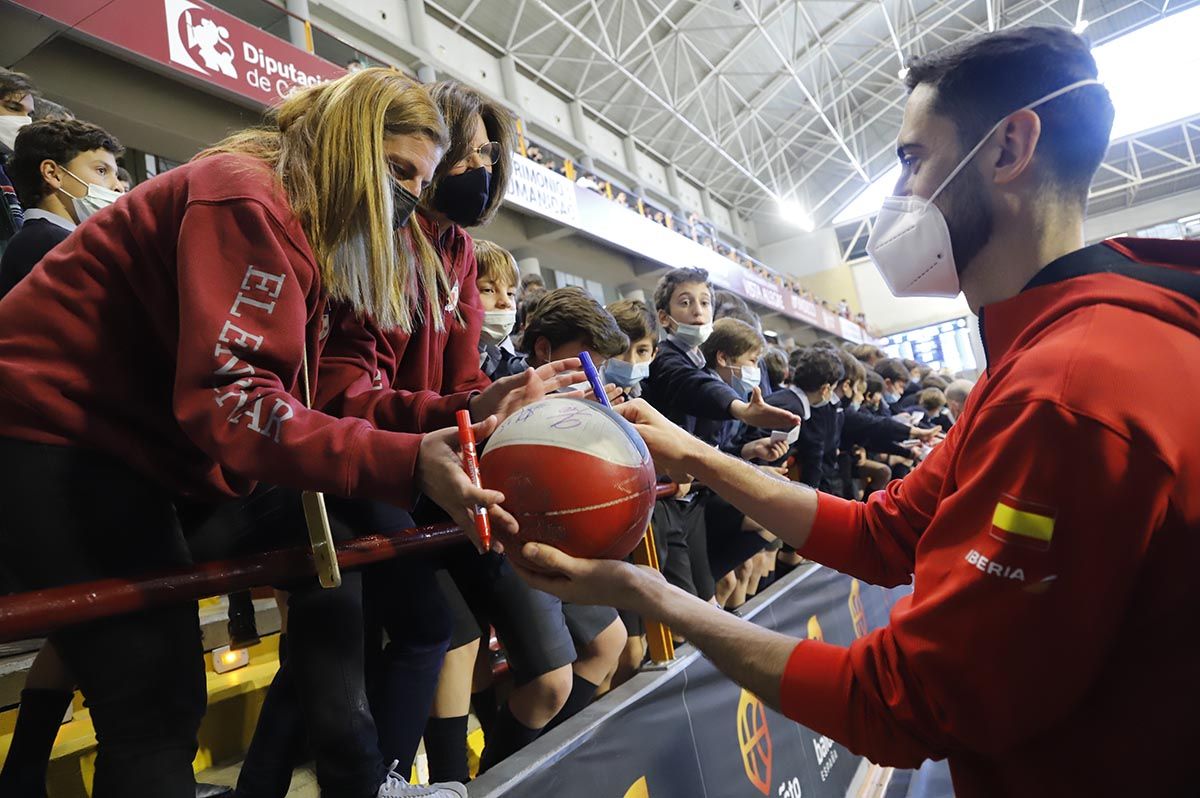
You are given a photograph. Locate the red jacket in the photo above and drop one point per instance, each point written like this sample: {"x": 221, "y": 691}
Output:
{"x": 412, "y": 382}
{"x": 1046, "y": 648}
{"x": 168, "y": 331}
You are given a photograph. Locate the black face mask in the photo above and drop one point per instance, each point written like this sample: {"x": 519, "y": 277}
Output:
{"x": 404, "y": 202}
{"x": 463, "y": 197}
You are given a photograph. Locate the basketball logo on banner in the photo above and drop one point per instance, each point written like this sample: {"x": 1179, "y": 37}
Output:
{"x": 858, "y": 616}
{"x": 638, "y": 789}
{"x": 754, "y": 739}
{"x": 814, "y": 629}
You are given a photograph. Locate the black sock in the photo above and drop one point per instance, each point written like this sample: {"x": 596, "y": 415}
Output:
{"x": 509, "y": 735}
{"x": 446, "y": 749}
{"x": 40, "y": 716}
{"x": 582, "y": 692}
{"x": 484, "y": 705}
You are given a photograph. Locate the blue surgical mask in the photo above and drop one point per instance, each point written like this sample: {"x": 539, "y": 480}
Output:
{"x": 891, "y": 398}
{"x": 746, "y": 379}
{"x": 624, "y": 373}
{"x": 693, "y": 334}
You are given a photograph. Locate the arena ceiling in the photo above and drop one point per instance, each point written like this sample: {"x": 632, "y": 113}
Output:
{"x": 762, "y": 99}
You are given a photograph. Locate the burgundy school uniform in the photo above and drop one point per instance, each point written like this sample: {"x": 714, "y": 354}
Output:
{"x": 1050, "y": 540}
{"x": 414, "y": 381}
{"x": 169, "y": 331}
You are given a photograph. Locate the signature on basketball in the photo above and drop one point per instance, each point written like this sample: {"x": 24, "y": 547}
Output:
{"x": 568, "y": 417}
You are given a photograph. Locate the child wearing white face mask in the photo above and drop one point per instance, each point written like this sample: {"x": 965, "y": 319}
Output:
{"x": 679, "y": 385}
{"x": 63, "y": 172}
{"x": 497, "y": 283}
{"x": 627, "y": 370}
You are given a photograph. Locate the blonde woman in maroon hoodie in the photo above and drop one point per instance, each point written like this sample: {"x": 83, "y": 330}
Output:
{"x": 155, "y": 367}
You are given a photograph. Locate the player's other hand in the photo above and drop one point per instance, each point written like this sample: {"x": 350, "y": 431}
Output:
{"x": 610, "y": 583}
{"x": 669, "y": 444}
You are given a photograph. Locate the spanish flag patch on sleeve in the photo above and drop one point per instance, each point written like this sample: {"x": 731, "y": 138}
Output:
{"x": 1023, "y": 523}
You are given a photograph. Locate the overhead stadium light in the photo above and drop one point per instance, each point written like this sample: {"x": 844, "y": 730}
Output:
{"x": 793, "y": 213}
{"x": 1131, "y": 67}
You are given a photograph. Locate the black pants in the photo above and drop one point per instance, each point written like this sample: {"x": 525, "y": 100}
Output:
{"x": 71, "y": 515}
{"x": 401, "y": 597}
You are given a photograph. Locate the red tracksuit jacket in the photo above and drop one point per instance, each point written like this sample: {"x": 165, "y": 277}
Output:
{"x": 1048, "y": 646}
{"x": 410, "y": 382}
{"x": 168, "y": 331}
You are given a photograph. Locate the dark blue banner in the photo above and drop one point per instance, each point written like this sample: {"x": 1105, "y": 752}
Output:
{"x": 691, "y": 732}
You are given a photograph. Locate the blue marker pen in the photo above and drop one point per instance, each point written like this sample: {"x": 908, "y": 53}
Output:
{"x": 593, "y": 378}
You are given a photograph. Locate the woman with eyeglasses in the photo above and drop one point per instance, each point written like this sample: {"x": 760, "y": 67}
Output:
{"x": 438, "y": 355}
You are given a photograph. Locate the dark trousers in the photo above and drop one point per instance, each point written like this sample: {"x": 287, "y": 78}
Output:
{"x": 398, "y": 596}
{"x": 72, "y": 515}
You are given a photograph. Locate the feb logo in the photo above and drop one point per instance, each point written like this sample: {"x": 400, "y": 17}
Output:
{"x": 814, "y": 629}
{"x": 192, "y": 35}
{"x": 754, "y": 740}
{"x": 639, "y": 789}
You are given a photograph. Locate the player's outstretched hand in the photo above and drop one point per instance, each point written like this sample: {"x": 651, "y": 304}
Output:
{"x": 757, "y": 413}
{"x": 669, "y": 444}
{"x": 611, "y": 583}
{"x": 440, "y": 476}
{"x": 508, "y": 395}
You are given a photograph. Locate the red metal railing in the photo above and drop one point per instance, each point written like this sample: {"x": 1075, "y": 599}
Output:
{"x": 39, "y": 612}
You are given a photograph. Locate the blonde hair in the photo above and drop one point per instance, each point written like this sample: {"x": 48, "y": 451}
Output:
{"x": 733, "y": 338}
{"x": 495, "y": 263}
{"x": 325, "y": 144}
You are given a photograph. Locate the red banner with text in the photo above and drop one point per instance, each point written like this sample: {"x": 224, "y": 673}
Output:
{"x": 194, "y": 39}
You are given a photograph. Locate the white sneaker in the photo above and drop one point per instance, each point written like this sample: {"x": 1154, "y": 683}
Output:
{"x": 396, "y": 786}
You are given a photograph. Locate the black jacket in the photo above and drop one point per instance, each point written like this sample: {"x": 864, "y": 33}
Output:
{"x": 31, "y": 243}
{"x": 873, "y": 433}
{"x": 11, "y": 216}
{"x": 688, "y": 394}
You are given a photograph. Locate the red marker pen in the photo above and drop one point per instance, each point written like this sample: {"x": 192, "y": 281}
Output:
{"x": 466, "y": 441}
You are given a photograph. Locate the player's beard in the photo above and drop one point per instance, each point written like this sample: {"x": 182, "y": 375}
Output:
{"x": 970, "y": 216}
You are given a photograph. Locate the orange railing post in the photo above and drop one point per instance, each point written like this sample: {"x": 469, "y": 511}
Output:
{"x": 658, "y": 636}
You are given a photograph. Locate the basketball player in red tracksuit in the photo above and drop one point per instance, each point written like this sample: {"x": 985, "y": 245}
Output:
{"x": 1051, "y": 540}
{"x": 150, "y": 372}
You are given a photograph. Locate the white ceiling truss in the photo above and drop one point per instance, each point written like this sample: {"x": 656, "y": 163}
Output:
{"x": 756, "y": 99}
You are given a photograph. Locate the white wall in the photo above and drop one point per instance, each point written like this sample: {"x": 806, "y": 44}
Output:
{"x": 721, "y": 217}
{"x": 803, "y": 254}
{"x": 652, "y": 173}
{"x": 603, "y": 143}
{"x": 465, "y": 59}
{"x": 386, "y": 19}
{"x": 689, "y": 196}
{"x": 544, "y": 106}
{"x": 890, "y": 314}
